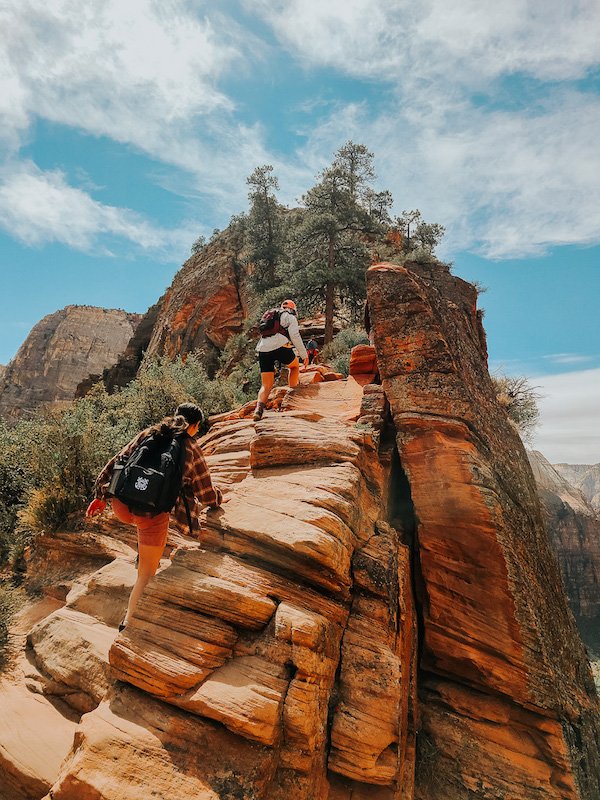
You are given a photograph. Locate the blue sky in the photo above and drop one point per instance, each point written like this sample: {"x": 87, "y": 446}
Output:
{"x": 129, "y": 128}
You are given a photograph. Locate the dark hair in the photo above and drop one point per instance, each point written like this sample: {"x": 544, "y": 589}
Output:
{"x": 190, "y": 412}
{"x": 186, "y": 414}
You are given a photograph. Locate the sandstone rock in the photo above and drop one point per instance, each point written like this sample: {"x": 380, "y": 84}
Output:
{"x": 62, "y": 350}
{"x": 205, "y": 305}
{"x": 372, "y": 736}
{"x": 34, "y": 739}
{"x": 363, "y": 364}
{"x": 586, "y": 478}
{"x": 574, "y": 529}
{"x": 133, "y": 746}
{"x": 355, "y": 614}
{"x": 493, "y": 610}
{"x": 72, "y": 649}
{"x": 125, "y": 369}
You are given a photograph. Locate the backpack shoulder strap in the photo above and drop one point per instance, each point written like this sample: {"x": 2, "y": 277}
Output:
{"x": 181, "y": 437}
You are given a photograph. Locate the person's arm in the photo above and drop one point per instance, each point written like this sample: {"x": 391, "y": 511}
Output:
{"x": 197, "y": 480}
{"x": 291, "y": 323}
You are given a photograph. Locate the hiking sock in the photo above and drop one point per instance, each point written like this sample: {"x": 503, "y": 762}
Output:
{"x": 258, "y": 411}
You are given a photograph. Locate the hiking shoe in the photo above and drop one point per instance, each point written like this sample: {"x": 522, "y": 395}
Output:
{"x": 258, "y": 412}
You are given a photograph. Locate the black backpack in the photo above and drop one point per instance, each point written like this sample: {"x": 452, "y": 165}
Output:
{"x": 149, "y": 480}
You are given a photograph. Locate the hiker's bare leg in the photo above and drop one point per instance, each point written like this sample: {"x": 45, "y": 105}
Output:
{"x": 294, "y": 373}
{"x": 268, "y": 379}
{"x": 150, "y": 556}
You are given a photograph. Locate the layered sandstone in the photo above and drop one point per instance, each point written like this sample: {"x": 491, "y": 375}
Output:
{"x": 205, "y": 305}
{"x": 63, "y": 349}
{"x": 586, "y": 478}
{"x": 374, "y": 613}
{"x": 508, "y": 706}
{"x": 270, "y": 644}
{"x": 574, "y": 530}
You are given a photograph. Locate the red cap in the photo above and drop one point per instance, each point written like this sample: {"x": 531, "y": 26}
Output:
{"x": 289, "y": 304}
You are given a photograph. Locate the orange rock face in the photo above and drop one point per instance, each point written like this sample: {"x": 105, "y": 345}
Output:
{"x": 204, "y": 307}
{"x": 501, "y": 660}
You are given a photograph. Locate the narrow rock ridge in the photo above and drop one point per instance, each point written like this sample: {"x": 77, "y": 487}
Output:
{"x": 374, "y": 613}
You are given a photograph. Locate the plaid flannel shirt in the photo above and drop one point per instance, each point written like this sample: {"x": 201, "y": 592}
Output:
{"x": 196, "y": 482}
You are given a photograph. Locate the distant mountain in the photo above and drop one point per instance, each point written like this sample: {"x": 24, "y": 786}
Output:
{"x": 585, "y": 477}
{"x": 63, "y": 349}
{"x": 574, "y": 528}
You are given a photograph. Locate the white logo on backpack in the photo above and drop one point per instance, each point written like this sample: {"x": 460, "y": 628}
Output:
{"x": 142, "y": 484}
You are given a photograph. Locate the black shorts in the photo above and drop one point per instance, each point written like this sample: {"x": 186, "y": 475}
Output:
{"x": 285, "y": 355}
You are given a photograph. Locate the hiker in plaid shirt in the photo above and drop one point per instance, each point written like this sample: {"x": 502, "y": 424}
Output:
{"x": 152, "y": 528}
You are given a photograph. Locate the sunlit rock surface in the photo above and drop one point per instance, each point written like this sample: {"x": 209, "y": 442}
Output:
{"x": 62, "y": 350}
{"x": 501, "y": 659}
{"x": 374, "y": 614}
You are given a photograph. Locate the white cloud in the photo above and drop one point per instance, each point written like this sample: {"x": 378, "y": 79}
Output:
{"x": 112, "y": 68}
{"x": 507, "y": 183}
{"x": 568, "y": 358}
{"x": 38, "y": 207}
{"x": 142, "y": 73}
{"x": 148, "y": 75}
{"x": 466, "y": 40}
{"x": 570, "y": 417}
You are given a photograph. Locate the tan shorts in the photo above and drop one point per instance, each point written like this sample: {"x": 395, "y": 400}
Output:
{"x": 152, "y": 531}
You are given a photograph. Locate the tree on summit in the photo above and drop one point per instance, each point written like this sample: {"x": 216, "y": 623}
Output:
{"x": 265, "y": 236}
{"x": 330, "y": 255}
{"x": 418, "y": 234}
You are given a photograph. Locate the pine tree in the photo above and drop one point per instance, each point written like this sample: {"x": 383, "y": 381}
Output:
{"x": 264, "y": 227}
{"x": 331, "y": 256}
{"x": 418, "y": 234}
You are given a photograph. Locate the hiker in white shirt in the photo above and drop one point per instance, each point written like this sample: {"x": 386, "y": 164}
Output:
{"x": 277, "y": 344}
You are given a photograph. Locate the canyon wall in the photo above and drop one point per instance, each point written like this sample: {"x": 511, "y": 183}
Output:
{"x": 205, "y": 305}
{"x": 574, "y": 530}
{"x": 586, "y": 478}
{"x": 62, "y": 350}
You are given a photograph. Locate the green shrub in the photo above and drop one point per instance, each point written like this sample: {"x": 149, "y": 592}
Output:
{"x": 337, "y": 352}
{"x": 62, "y": 450}
{"x": 520, "y": 400}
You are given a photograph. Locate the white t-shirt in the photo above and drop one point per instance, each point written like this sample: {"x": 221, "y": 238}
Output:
{"x": 266, "y": 344}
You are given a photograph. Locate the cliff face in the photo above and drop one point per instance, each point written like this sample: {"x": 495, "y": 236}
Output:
{"x": 574, "y": 529}
{"x": 205, "y": 305}
{"x": 120, "y": 374}
{"x": 586, "y": 478}
{"x": 502, "y": 662}
{"x": 62, "y": 350}
{"x": 374, "y": 614}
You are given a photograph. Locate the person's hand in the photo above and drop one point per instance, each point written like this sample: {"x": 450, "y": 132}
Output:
{"x": 96, "y": 507}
